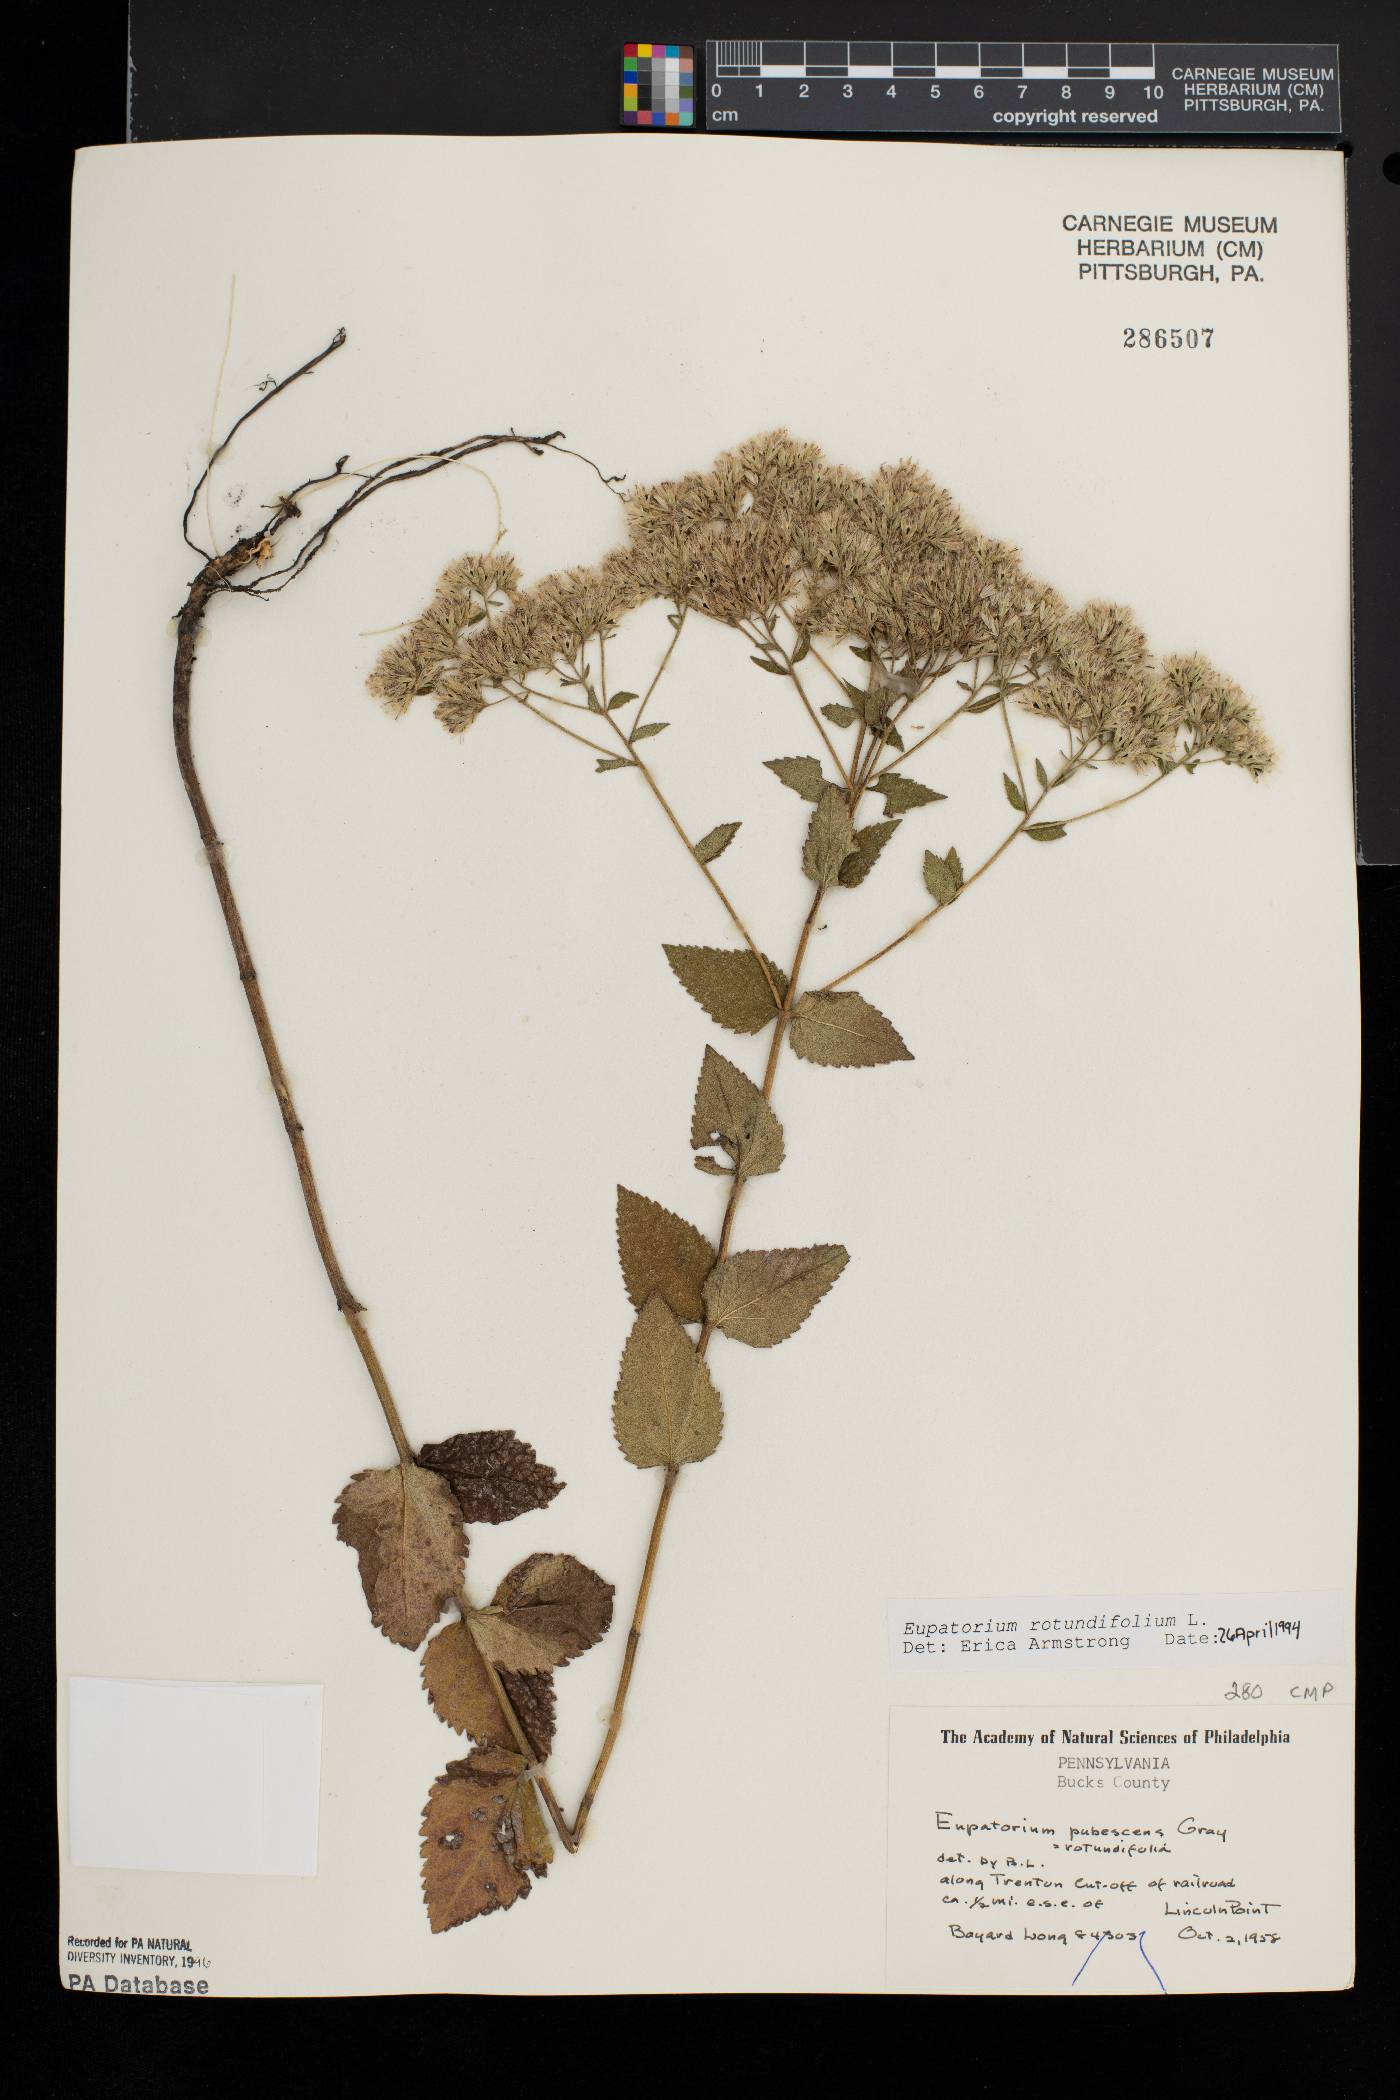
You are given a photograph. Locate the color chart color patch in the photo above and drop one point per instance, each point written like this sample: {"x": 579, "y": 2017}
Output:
{"x": 658, "y": 85}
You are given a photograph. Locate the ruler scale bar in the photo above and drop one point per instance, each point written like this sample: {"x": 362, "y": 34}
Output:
{"x": 786, "y": 60}
{"x": 1007, "y": 90}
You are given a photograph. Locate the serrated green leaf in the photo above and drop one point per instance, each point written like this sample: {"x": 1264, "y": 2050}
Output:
{"x": 830, "y": 837}
{"x": 942, "y": 876}
{"x": 901, "y": 794}
{"x": 802, "y": 648}
{"x": 663, "y": 1253}
{"x": 613, "y": 765}
{"x": 729, "y": 984}
{"x": 731, "y": 1112}
{"x": 841, "y": 1028}
{"x": 764, "y": 665}
{"x": 840, "y": 715}
{"x": 802, "y": 775}
{"x": 980, "y": 707}
{"x": 1041, "y": 775}
{"x": 1043, "y": 832}
{"x": 762, "y": 1298}
{"x": 871, "y": 705}
{"x": 620, "y": 700}
{"x": 647, "y": 729}
{"x": 714, "y": 842}
{"x": 870, "y": 842}
{"x": 666, "y": 1411}
{"x": 1013, "y": 794}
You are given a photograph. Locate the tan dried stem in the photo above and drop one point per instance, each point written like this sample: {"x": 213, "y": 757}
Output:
{"x": 218, "y": 574}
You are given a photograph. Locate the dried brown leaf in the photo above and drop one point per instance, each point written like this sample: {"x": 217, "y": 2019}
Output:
{"x": 762, "y": 1298}
{"x": 532, "y": 1696}
{"x": 534, "y": 1847}
{"x": 549, "y": 1609}
{"x": 661, "y": 1252}
{"x": 666, "y": 1411}
{"x": 458, "y": 1688}
{"x": 729, "y": 984}
{"x": 830, "y": 837}
{"x": 731, "y": 1112}
{"x": 493, "y": 1473}
{"x": 461, "y": 1693}
{"x": 405, "y": 1524}
{"x": 869, "y": 843}
{"x": 482, "y": 1838}
{"x": 841, "y": 1028}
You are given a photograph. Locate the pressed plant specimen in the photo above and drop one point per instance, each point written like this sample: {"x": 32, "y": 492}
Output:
{"x": 884, "y": 623}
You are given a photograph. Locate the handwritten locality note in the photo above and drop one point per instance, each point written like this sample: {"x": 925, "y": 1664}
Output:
{"x": 1118, "y": 1850}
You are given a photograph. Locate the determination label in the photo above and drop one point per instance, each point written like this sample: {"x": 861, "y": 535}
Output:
{"x": 1236, "y": 1629}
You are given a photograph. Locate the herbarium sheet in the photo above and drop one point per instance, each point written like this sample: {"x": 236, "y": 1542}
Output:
{"x": 709, "y": 1071}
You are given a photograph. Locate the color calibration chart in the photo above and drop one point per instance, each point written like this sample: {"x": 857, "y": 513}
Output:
{"x": 658, "y": 86}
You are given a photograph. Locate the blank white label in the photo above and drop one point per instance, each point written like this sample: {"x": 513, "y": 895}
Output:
{"x": 193, "y": 1778}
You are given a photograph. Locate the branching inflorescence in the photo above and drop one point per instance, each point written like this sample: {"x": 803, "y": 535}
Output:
{"x": 888, "y": 619}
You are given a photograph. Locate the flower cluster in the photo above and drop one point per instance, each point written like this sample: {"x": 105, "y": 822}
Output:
{"x": 1215, "y": 715}
{"x": 774, "y": 532}
{"x": 1102, "y": 684}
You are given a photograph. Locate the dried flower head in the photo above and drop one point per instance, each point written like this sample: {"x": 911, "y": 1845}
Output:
{"x": 1215, "y": 715}
{"x": 469, "y": 591}
{"x": 1099, "y": 682}
{"x": 885, "y": 562}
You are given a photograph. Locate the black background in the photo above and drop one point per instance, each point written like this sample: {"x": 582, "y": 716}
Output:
{"x": 266, "y": 66}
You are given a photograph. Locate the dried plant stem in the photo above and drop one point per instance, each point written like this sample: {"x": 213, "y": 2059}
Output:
{"x": 902, "y": 758}
{"x": 624, "y": 738}
{"x": 521, "y": 1740}
{"x": 789, "y": 665}
{"x": 1011, "y": 747}
{"x": 629, "y": 1654}
{"x": 1119, "y": 800}
{"x": 669, "y": 1475}
{"x": 858, "y": 787}
{"x": 1067, "y": 772}
{"x": 563, "y": 728}
{"x": 211, "y": 578}
{"x": 678, "y": 623}
{"x": 218, "y": 573}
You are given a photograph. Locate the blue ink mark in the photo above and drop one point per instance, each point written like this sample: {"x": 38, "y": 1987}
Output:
{"x": 1085, "y": 1963}
{"x": 1142, "y": 1950}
